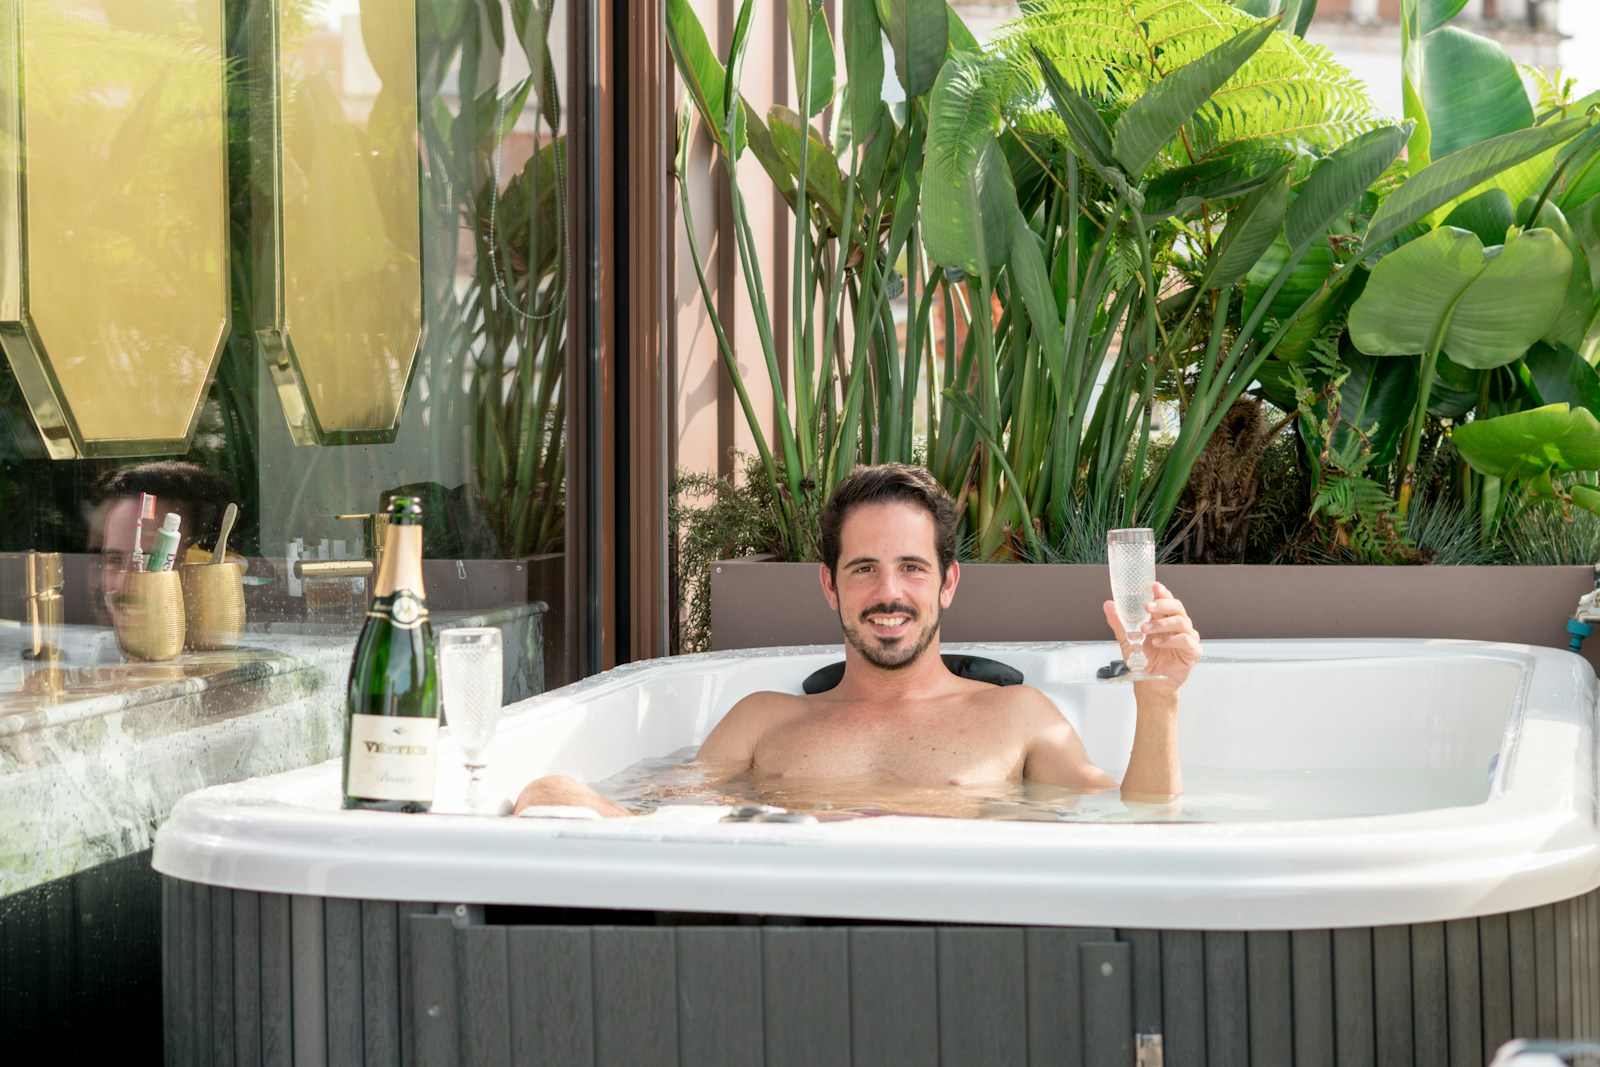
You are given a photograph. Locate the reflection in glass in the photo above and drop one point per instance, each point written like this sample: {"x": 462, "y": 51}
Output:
{"x": 512, "y": 307}
{"x": 341, "y": 240}
{"x": 113, "y": 271}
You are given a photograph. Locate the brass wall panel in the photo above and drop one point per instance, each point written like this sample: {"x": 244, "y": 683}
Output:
{"x": 113, "y": 195}
{"x": 342, "y": 267}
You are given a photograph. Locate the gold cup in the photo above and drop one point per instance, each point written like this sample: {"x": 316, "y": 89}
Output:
{"x": 213, "y": 599}
{"x": 148, "y": 615}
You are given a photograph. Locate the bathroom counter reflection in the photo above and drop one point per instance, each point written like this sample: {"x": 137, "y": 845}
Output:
{"x": 95, "y": 749}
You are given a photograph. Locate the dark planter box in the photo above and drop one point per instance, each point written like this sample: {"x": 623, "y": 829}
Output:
{"x": 755, "y": 604}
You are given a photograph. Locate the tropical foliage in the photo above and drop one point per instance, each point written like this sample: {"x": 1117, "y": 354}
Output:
{"x": 1122, "y": 229}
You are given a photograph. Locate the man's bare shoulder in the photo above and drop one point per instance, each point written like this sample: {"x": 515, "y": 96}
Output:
{"x": 1016, "y": 698}
{"x": 1029, "y": 708}
{"x": 761, "y": 710}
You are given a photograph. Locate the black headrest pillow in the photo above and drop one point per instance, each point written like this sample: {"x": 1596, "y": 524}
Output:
{"x": 978, "y": 668}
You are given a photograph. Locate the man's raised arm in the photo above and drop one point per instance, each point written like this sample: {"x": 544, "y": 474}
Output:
{"x": 1173, "y": 648}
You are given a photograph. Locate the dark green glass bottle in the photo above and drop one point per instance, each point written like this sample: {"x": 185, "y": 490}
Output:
{"x": 391, "y": 722}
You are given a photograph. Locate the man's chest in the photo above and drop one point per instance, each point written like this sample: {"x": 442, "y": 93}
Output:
{"x": 927, "y": 751}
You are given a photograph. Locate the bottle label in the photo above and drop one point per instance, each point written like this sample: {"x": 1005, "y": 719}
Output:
{"x": 391, "y": 757}
{"x": 403, "y": 608}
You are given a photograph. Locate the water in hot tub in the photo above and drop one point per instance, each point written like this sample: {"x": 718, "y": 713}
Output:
{"x": 1210, "y": 794}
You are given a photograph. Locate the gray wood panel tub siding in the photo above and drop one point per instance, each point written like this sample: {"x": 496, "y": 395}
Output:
{"x": 264, "y": 979}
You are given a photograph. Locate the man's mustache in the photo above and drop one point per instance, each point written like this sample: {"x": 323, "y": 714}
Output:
{"x": 895, "y": 608}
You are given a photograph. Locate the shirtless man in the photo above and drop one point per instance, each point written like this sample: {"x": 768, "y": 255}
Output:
{"x": 899, "y": 715}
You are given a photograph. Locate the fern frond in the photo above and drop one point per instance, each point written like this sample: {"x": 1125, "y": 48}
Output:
{"x": 1291, "y": 92}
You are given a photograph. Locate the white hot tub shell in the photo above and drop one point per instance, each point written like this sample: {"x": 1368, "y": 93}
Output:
{"x": 1287, "y": 705}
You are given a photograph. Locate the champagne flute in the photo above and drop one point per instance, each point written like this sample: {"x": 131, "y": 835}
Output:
{"x": 470, "y": 670}
{"x": 1132, "y": 555}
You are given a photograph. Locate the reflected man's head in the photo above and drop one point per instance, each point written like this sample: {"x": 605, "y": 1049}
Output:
{"x": 197, "y": 494}
{"x": 888, "y": 561}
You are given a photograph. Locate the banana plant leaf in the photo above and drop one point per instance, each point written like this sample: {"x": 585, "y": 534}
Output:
{"x": 1488, "y": 214}
{"x": 1578, "y": 309}
{"x": 824, "y": 180}
{"x": 863, "y": 60}
{"x": 1445, "y": 179}
{"x": 1250, "y": 231}
{"x": 1564, "y": 377}
{"x": 919, "y": 31}
{"x": 1297, "y": 14}
{"x": 1445, "y": 291}
{"x": 968, "y": 203}
{"x": 1155, "y": 117}
{"x": 1222, "y": 177}
{"x": 1435, "y": 13}
{"x": 1375, "y": 401}
{"x": 1471, "y": 90}
{"x": 1340, "y": 180}
{"x": 812, "y": 43}
{"x": 703, "y": 74}
{"x": 1308, "y": 276}
{"x": 1455, "y": 391}
{"x": 1530, "y": 445}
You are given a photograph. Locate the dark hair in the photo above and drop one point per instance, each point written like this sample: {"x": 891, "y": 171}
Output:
{"x": 881, "y": 484}
{"x": 197, "y": 493}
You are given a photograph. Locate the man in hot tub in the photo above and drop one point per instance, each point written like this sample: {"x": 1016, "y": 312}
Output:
{"x": 899, "y": 730}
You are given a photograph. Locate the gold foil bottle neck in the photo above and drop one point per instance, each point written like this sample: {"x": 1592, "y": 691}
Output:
{"x": 402, "y": 562}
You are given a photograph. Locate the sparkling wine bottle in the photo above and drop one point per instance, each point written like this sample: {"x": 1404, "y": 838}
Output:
{"x": 392, "y": 712}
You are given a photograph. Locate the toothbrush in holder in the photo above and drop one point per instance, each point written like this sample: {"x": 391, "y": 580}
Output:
{"x": 147, "y": 510}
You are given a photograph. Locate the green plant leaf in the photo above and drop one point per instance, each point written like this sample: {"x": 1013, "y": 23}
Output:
{"x": 1471, "y": 89}
{"x": 1089, "y": 132}
{"x": 1577, "y": 315}
{"x": 961, "y": 39}
{"x": 1586, "y": 497}
{"x": 824, "y": 181}
{"x": 1249, "y": 233}
{"x": 1484, "y": 307}
{"x": 759, "y": 140}
{"x": 1309, "y": 275}
{"x": 1580, "y": 178}
{"x": 1489, "y": 215}
{"x": 966, "y": 223}
{"x": 1299, "y": 17}
{"x": 698, "y": 66}
{"x": 1435, "y": 13}
{"x": 962, "y": 117}
{"x": 809, "y": 33}
{"x": 919, "y": 31}
{"x": 1460, "y": 172}
{"x": 1339, "y": 180}
{"x": 733, "y": 120}
{"x": 1526, "y": 445}
{"x": 1455, "y": 389}
{"x": 1562, "y": 376}
{"x": 1375, "y": 402}
{"x": 1156, "y": 116}
{"x": 1222, "y": 177}
{"x": 1027, "y": 268}
{"x": 863, "y": 60}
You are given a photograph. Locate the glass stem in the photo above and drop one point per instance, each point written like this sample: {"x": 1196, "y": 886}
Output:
{"x": 1136, "y": 659}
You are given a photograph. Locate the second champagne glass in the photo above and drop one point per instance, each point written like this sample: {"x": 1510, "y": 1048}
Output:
{"x": 1132, "y": 555}
{"x": 470, "y": 670}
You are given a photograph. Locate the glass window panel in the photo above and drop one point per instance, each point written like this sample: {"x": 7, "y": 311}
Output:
{"x": 120, "y": 306}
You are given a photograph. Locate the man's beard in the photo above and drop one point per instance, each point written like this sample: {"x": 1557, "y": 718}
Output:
{"x": 909, "y": 649}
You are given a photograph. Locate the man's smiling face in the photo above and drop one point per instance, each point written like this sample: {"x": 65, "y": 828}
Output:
{"x": 888, "y": 591}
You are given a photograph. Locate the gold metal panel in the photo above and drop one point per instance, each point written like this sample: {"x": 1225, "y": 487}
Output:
{"x": 113, "y": 202}
{"x": 340, "y": 196}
